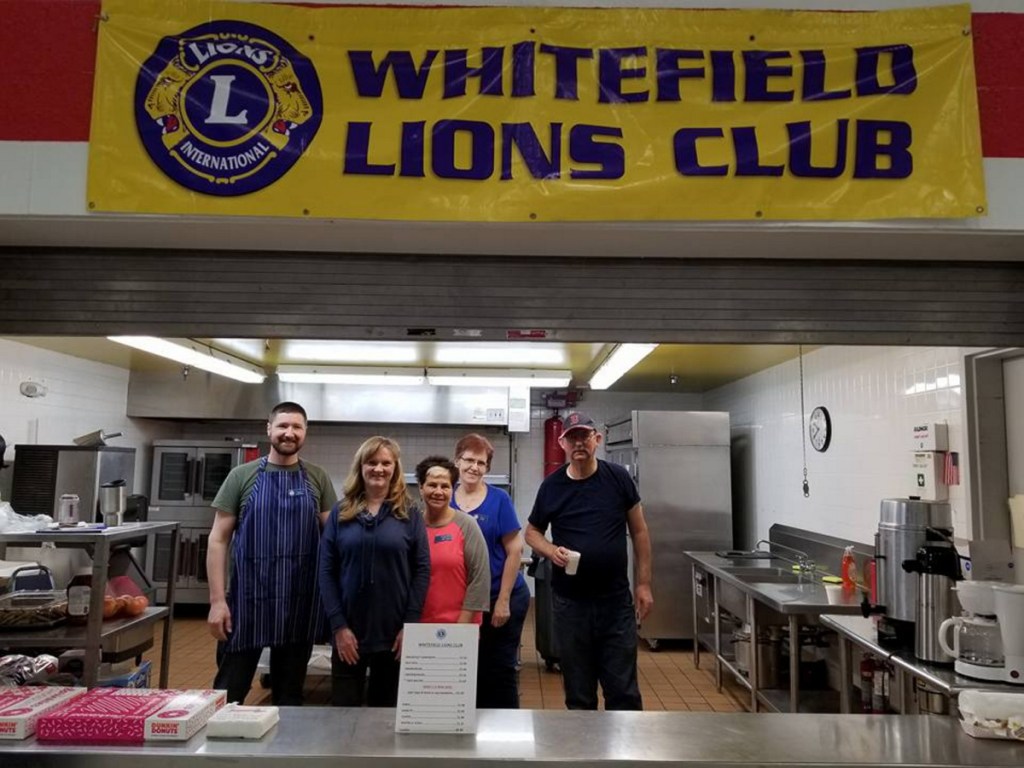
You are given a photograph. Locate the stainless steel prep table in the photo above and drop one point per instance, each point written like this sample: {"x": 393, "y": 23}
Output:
{"x": 99, "y": 635}
{"x": 804, "y": 599}
{"x": 314, "y": 737}
{"x": 864, "y": 633}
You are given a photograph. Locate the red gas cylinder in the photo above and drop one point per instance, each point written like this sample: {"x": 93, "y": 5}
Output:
{"x": 554, "y": 456}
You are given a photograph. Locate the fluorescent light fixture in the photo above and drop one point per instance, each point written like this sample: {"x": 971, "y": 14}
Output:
{"x": 338, "y": 374}
{"x": 621, "y": 360}
{"x": 521, "y": 353}
{"x": 197, "y": 355}
{"x": 326, "y": 351}
{"x": 247, "y": 349}
{"x": 483, "y": 377}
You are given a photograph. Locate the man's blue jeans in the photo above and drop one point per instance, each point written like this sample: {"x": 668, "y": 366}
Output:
{"x": 597, "y": 643}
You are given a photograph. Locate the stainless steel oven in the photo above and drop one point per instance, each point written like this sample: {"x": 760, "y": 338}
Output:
{"x": 186, "y": 477}
{"x": 192, "y": 545}
{"x": 189, "y": 473}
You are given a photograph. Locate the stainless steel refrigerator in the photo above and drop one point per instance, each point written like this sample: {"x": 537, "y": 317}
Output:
{"x": 679, "y": 461}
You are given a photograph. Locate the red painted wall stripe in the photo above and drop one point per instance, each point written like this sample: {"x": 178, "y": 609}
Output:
{"x": 999, "y": 68}
{"x": 48, "y": 55}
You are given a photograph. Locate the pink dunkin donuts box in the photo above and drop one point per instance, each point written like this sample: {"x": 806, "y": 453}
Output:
{"x": 21, "y": 708}
{"x": 123, "y": 716}
{"x": 182, "y": 717}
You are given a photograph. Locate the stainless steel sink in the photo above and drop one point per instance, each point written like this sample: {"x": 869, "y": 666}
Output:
{"x": 776, "y": 578}
{"x": 766, "y": 574}
{"x": 732, "y": 596}
{"x": 741, "y": 554}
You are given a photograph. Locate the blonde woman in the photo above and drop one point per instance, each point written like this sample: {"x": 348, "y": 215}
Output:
{"x": 374, "y": 575}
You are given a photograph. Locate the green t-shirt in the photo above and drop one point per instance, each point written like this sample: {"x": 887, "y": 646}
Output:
{"x": 238, "y": 485}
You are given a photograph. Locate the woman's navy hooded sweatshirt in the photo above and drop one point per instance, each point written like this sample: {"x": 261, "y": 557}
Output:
{"x": 374, "y": 574}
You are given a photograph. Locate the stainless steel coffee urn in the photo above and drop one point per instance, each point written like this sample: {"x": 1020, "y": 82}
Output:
{"x": 937, "y": 566}
{"x": 904, "y": 526}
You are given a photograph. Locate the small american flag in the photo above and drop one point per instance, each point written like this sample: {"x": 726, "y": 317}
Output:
{"x": 951, "y": 468}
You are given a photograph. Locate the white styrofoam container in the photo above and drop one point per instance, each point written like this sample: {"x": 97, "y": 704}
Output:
{"x": 239, "y": 722}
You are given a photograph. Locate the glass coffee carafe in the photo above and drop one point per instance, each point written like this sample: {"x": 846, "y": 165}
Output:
{"x": 976, "y": 640}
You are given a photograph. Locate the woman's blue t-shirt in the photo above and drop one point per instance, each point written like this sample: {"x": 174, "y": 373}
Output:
{"x": 496, "y": 517}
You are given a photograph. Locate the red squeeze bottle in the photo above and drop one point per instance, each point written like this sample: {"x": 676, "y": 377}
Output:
{"x": 847, "y": 570}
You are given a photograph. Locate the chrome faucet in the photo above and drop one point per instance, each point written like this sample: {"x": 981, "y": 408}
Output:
{"x": 803, "y": 561}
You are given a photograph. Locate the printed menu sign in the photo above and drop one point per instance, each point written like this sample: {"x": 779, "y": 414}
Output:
{"x": 437, "y": 687}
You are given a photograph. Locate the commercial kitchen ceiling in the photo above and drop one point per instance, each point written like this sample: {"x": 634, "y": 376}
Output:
{"x": 671, "y": 367}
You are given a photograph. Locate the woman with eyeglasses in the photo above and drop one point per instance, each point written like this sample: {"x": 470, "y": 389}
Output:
{"x": 374, "y": 576}
{"x": 502, "y": 627}
{"x": 460, "y": 578}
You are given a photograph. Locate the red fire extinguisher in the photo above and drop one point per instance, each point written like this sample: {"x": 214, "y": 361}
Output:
{"x": 554, "y": 456}
{"x": 867, "y": 682}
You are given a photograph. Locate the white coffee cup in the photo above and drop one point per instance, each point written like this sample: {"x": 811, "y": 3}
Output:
{"x": 573, "y": 564}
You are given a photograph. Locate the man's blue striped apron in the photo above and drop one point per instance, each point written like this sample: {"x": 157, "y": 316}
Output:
{"x": 274, "y": 597}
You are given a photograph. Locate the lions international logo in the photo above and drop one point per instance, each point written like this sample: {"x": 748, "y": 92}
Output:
{"x": 226, "y": 108}
{"x": 441, "y": 633}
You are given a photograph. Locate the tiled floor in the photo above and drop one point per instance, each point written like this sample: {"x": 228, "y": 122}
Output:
{"x": 668, "y": 679}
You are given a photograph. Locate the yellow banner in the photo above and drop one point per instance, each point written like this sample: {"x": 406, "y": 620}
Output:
{"x": 533, "y": 114}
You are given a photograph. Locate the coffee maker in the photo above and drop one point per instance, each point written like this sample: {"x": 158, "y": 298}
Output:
{"x": 1010, "y": 615}
{"x": 977, "y": 640}
{"x": 904, "y": 527}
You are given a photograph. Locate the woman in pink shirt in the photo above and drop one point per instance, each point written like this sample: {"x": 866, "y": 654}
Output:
{"x": 460, "y": 571}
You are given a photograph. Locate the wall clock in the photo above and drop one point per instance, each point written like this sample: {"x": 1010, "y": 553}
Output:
{"x": 820, "y": 429}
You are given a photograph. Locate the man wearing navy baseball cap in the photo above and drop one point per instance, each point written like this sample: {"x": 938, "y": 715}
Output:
{"x": 589, "y": 505}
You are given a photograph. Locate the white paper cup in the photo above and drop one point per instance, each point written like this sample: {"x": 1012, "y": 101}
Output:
{"x": 834, "y": 592}
{"x": 573, "y": 564}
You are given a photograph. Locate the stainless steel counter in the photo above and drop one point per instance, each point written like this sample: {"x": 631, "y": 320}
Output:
{"x": 781, "y": 593}
{"x": 864, "y": 633}
{"x": 314, "y": 737}
{"x": 128, "y": 636}
{"x": 808, "y": 596}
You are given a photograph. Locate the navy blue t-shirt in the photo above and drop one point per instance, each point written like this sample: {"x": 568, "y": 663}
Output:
{"x": 588, "y": 516}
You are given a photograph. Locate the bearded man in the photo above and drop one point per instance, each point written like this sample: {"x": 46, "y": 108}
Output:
{"x": 269, "y": 514}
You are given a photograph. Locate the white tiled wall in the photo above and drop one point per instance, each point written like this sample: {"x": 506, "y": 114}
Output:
{"x": 873, "y": 395}
{"x": 82, "y": 396}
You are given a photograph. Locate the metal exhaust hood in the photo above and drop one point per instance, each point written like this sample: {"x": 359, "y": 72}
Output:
{"x": 200, "y": 395}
